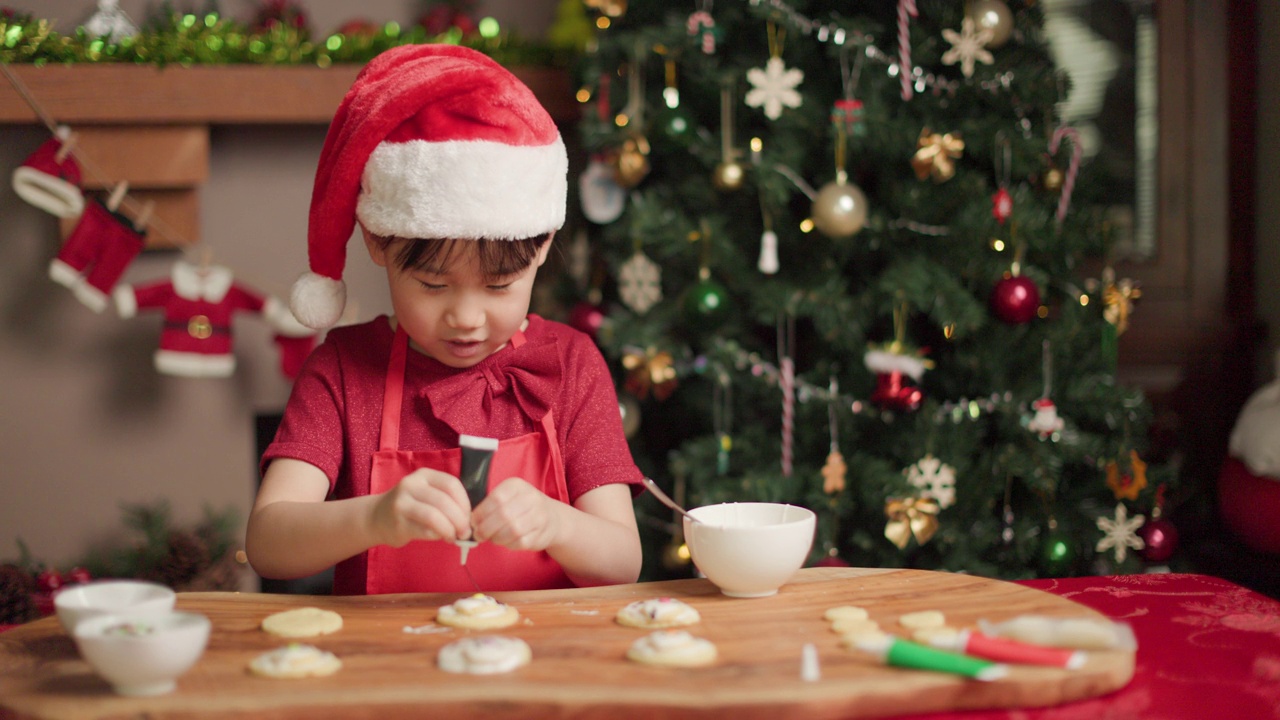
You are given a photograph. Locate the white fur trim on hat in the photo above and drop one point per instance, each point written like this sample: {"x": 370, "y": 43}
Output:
{"x": 464, "y": 189}
{"x": 883, "y": 361}
{"x": 317, "y": 301}
{"x": 195, "y": 365}
{"x": 51, "y": 194}
{"x": 1255, "y": 439}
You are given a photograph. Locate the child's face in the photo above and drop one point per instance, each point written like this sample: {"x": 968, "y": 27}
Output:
{"x": 456, "y": 314}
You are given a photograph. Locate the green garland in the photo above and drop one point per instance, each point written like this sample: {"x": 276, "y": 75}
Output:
{"x": 188, "y": 39}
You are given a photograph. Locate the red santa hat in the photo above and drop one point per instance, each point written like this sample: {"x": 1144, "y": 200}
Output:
{"x": 50, "y": 178}
{"x": 431, "y": 141}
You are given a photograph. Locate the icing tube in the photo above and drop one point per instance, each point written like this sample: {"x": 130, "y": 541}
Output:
{"x": 1077, "y": 633}
{"x": 477, "y": 452}
{"x": 1010, "y": 651}
{"x": 904, "y": 653}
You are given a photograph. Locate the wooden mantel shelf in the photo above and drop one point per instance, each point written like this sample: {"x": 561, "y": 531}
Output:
{"x": 111, "y": 94}
{"x": 150, "y": 126}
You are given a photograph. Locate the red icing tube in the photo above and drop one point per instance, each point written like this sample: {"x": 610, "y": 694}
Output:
{"x": 1010, "y": 651}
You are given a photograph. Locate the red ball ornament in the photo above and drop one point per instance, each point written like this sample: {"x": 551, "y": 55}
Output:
{"x": 587, "y": 317}
{"x": 1015, "y": 299}
{"x": 77, "y": 575}
{"x": 1160, "y": 540}
{"x": 831, "y": 561}
{"x": 49, "y": 580}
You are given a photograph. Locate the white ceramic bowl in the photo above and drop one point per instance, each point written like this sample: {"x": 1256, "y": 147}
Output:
{"x": 142, "y": 654}
{"x": 749, "y": 549}
{"x": 76, "y": 603}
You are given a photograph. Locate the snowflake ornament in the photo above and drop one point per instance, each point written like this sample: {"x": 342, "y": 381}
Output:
{"x": 640, "y": 283}
{"x": 1120, "y": 533}
{"x": 773, "y": 87}
{"x": 936, "y": 480}
{"x": 967, "y": 46}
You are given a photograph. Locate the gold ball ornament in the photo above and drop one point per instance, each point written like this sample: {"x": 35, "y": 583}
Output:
{"x": 995, "y": 16}
{"x": 632, "y": 163}
{"x": 1052, "y": 178}
{"x": 839, "y": 210}
{"x": 729, "y": 175}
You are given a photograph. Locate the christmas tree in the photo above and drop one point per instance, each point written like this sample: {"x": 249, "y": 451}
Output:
{"x": 883, "y": 295}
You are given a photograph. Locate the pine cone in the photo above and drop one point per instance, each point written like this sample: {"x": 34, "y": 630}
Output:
{"x": 223, "y": 574}
{"x": 186, "y": 557}
{"x": 16, "y": 588}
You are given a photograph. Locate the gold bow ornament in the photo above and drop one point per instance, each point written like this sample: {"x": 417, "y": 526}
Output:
{"x": 648, "y": 371}
{"x": 936, "y": 155}
{"x": 1117, "y": 301}
{"x": 910, "y": 518}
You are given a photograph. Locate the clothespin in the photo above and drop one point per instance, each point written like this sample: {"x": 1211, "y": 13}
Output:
{"x": 117, "y": 194}
{"x": 68, "y": 144}
{"x": 144, "y": 216}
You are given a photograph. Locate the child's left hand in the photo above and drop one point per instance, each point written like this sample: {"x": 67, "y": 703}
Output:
{"x": 516, "y": 515}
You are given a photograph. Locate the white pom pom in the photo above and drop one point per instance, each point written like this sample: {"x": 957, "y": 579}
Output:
{"x": 317, "y": 301}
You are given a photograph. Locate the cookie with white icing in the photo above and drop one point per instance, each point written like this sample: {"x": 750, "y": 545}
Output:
{"x": 295, "y": 660}
{"x": 922, "y": 620}
{"x": 662, "y": 612}
{"x": 302, "y": 622}
{"x": 484, "y": 655}
{"x": 477, "y": 612}
{"x": 672, "y": 648}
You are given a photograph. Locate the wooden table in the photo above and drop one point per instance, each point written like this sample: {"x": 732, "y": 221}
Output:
{"x": 578, "y": 667}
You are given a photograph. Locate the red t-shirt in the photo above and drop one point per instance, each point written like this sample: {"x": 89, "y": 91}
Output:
{"x": 334, "y": 415}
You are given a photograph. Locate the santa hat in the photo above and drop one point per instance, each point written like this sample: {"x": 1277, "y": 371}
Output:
{"x": 431, "y": 141}
{"x": 50, "y": 183}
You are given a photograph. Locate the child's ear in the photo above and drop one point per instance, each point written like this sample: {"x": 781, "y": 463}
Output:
{"x": 376, "y": 246}
{"x": 545, "y": 249}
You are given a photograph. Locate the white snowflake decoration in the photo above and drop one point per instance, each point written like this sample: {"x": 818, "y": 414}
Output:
{"x": 1120, "y": 533}
{"x": 773, "y": 87}
{"x": 640, "y": 283}
{"x": 967, "y": 46}
{"x": 938, "y": 481}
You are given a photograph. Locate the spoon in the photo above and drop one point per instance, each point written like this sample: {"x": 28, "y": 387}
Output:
{"x": 666, "y": 499}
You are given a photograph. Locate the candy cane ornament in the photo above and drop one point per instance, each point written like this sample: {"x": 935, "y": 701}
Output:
{"x": 1069, "y": 182}
{"x": 906, "y": 11}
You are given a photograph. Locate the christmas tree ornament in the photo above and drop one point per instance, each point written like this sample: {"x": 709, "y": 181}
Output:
{"x": 722, "y": 420}
{"x": 775, "y": 86}
{"x": 702, "y": 25}
{"x": 906, "y": 10}
{"x": 1118, "y": 297}
{"x": 1045, "y": 422}
{"x": 587, "y": 317}
{"x": 603, "y": 199}
{"x": 729, "y": 174}
{"x": 629, "y": 408}
{"x": 110, "y": 22}
{"x": 50, "y": 177}
{"x": 767, "y": 263}
{"x": 274, "y": 15}
{"x": 1159, "y": 536}
{"x": 936, "y": 155}
{"x": 649, "y": 371}
{"x": 833, "y": 471}
{"x": 706, "y": 303}
{"x": 787, "y": 384}
{"x": 631, "y": 162}
{"x": 1051, "y": 178}
{"x": 839, "y": 209}
{"x": 640, "y": 282}
{"x": 1127, "y": 485}
{"x": 674, "y": 122}
{"x": 98, "y": 251}
{"x": 847, "y": 113}
{"x": 1001, "y": 205}
{"x": 1058, "y": 551}
{"x": 455, "y": 15}
{"x": 910, "y": 519}
{"x": 934, "y": 479}
{"x": 1068, "y": 182}
{"x": 608, "y": 8}
{"x": 1120, "y": 532}
{"x": 969, "y": 46}
{"x": 1015, "y": 298}
{"x": 1002, "y": 201}
{"x": 894, "y": 364}
{"x": 992, "y": 15}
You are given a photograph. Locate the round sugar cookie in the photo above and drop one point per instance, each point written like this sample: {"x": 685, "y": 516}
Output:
{"x": 845, "y": 612}
{"x": 302, "y": 622}
{"x": 672, "y": 648}
{"x": 477, "y": 612}
{"x": 295, "y": 661}
{"x": 484, "y": 655}
{"x": 844, "y": 626}
{"x": 929, "y": 634}
{"x": 923, "y": 619}
{"x": 662, "y": 612}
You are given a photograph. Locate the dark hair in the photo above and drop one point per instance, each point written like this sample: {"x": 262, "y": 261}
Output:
{"x": 498, "y": 258}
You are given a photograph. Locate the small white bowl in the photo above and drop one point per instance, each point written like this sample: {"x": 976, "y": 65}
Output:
{"x": 142, "y": 654}
{"x": 76, "y": 603}
{"x": 750, "y": 549}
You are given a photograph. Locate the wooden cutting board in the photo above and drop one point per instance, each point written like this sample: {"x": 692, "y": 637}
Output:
{"x": 578, "y": 668}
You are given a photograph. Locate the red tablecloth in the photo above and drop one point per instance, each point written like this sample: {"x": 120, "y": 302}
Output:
{"x": 1207, "y": 649}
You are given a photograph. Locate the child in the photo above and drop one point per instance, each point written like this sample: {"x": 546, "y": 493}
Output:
{"x": 457, "y": 177}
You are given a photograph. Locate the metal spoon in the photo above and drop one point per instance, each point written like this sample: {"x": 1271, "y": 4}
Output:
{"x": 666, "y": 499}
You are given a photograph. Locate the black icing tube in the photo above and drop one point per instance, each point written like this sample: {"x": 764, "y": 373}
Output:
{"x": 477, "y": 452}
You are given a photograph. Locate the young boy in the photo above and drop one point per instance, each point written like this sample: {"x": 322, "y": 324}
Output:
{"x": 457, "y": 177}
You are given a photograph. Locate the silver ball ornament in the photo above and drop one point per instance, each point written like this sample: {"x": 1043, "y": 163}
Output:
{"x": 840, "y": 209}
{"x": 995, "y": 16}
{"x": 729, "y": 175}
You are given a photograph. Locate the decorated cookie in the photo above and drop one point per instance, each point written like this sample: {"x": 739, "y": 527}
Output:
{"x": 923, "y": 619}
{"x": 478, "y": 612}
{"x": 845, "y": 612}
{"x": 844, "y": 626}
{"x": 484, "y": 655}
{"x": 295, "y": 660}
{"x": 672, "y": 648}
{"x": 302, "y": 622}
{"x": 660, "y": 612}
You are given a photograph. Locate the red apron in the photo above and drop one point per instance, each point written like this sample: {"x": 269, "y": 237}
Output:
{"x": 433, "y": 565}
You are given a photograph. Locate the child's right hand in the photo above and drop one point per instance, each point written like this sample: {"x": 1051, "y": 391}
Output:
{"x": 424, "y": 505}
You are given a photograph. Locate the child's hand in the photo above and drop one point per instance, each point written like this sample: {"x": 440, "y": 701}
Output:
{"x": 516, "y": 515}
{"x": 425, "y": 505}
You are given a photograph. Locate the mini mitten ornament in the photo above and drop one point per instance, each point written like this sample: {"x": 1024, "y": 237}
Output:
{"x": 198, "y": 303}
{"x": 50, "y": 177}
{"x": 96, "y": 254}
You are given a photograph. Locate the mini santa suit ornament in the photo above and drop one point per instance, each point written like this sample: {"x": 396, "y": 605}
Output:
{"x": 431, "y": 141}
{"x": 292, "y": 339}
{"x": 96, "y": 254}
{"x": 198, "y": 302}
{"x": 1045, "y": 422}
{"x": 50, "y": 177}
